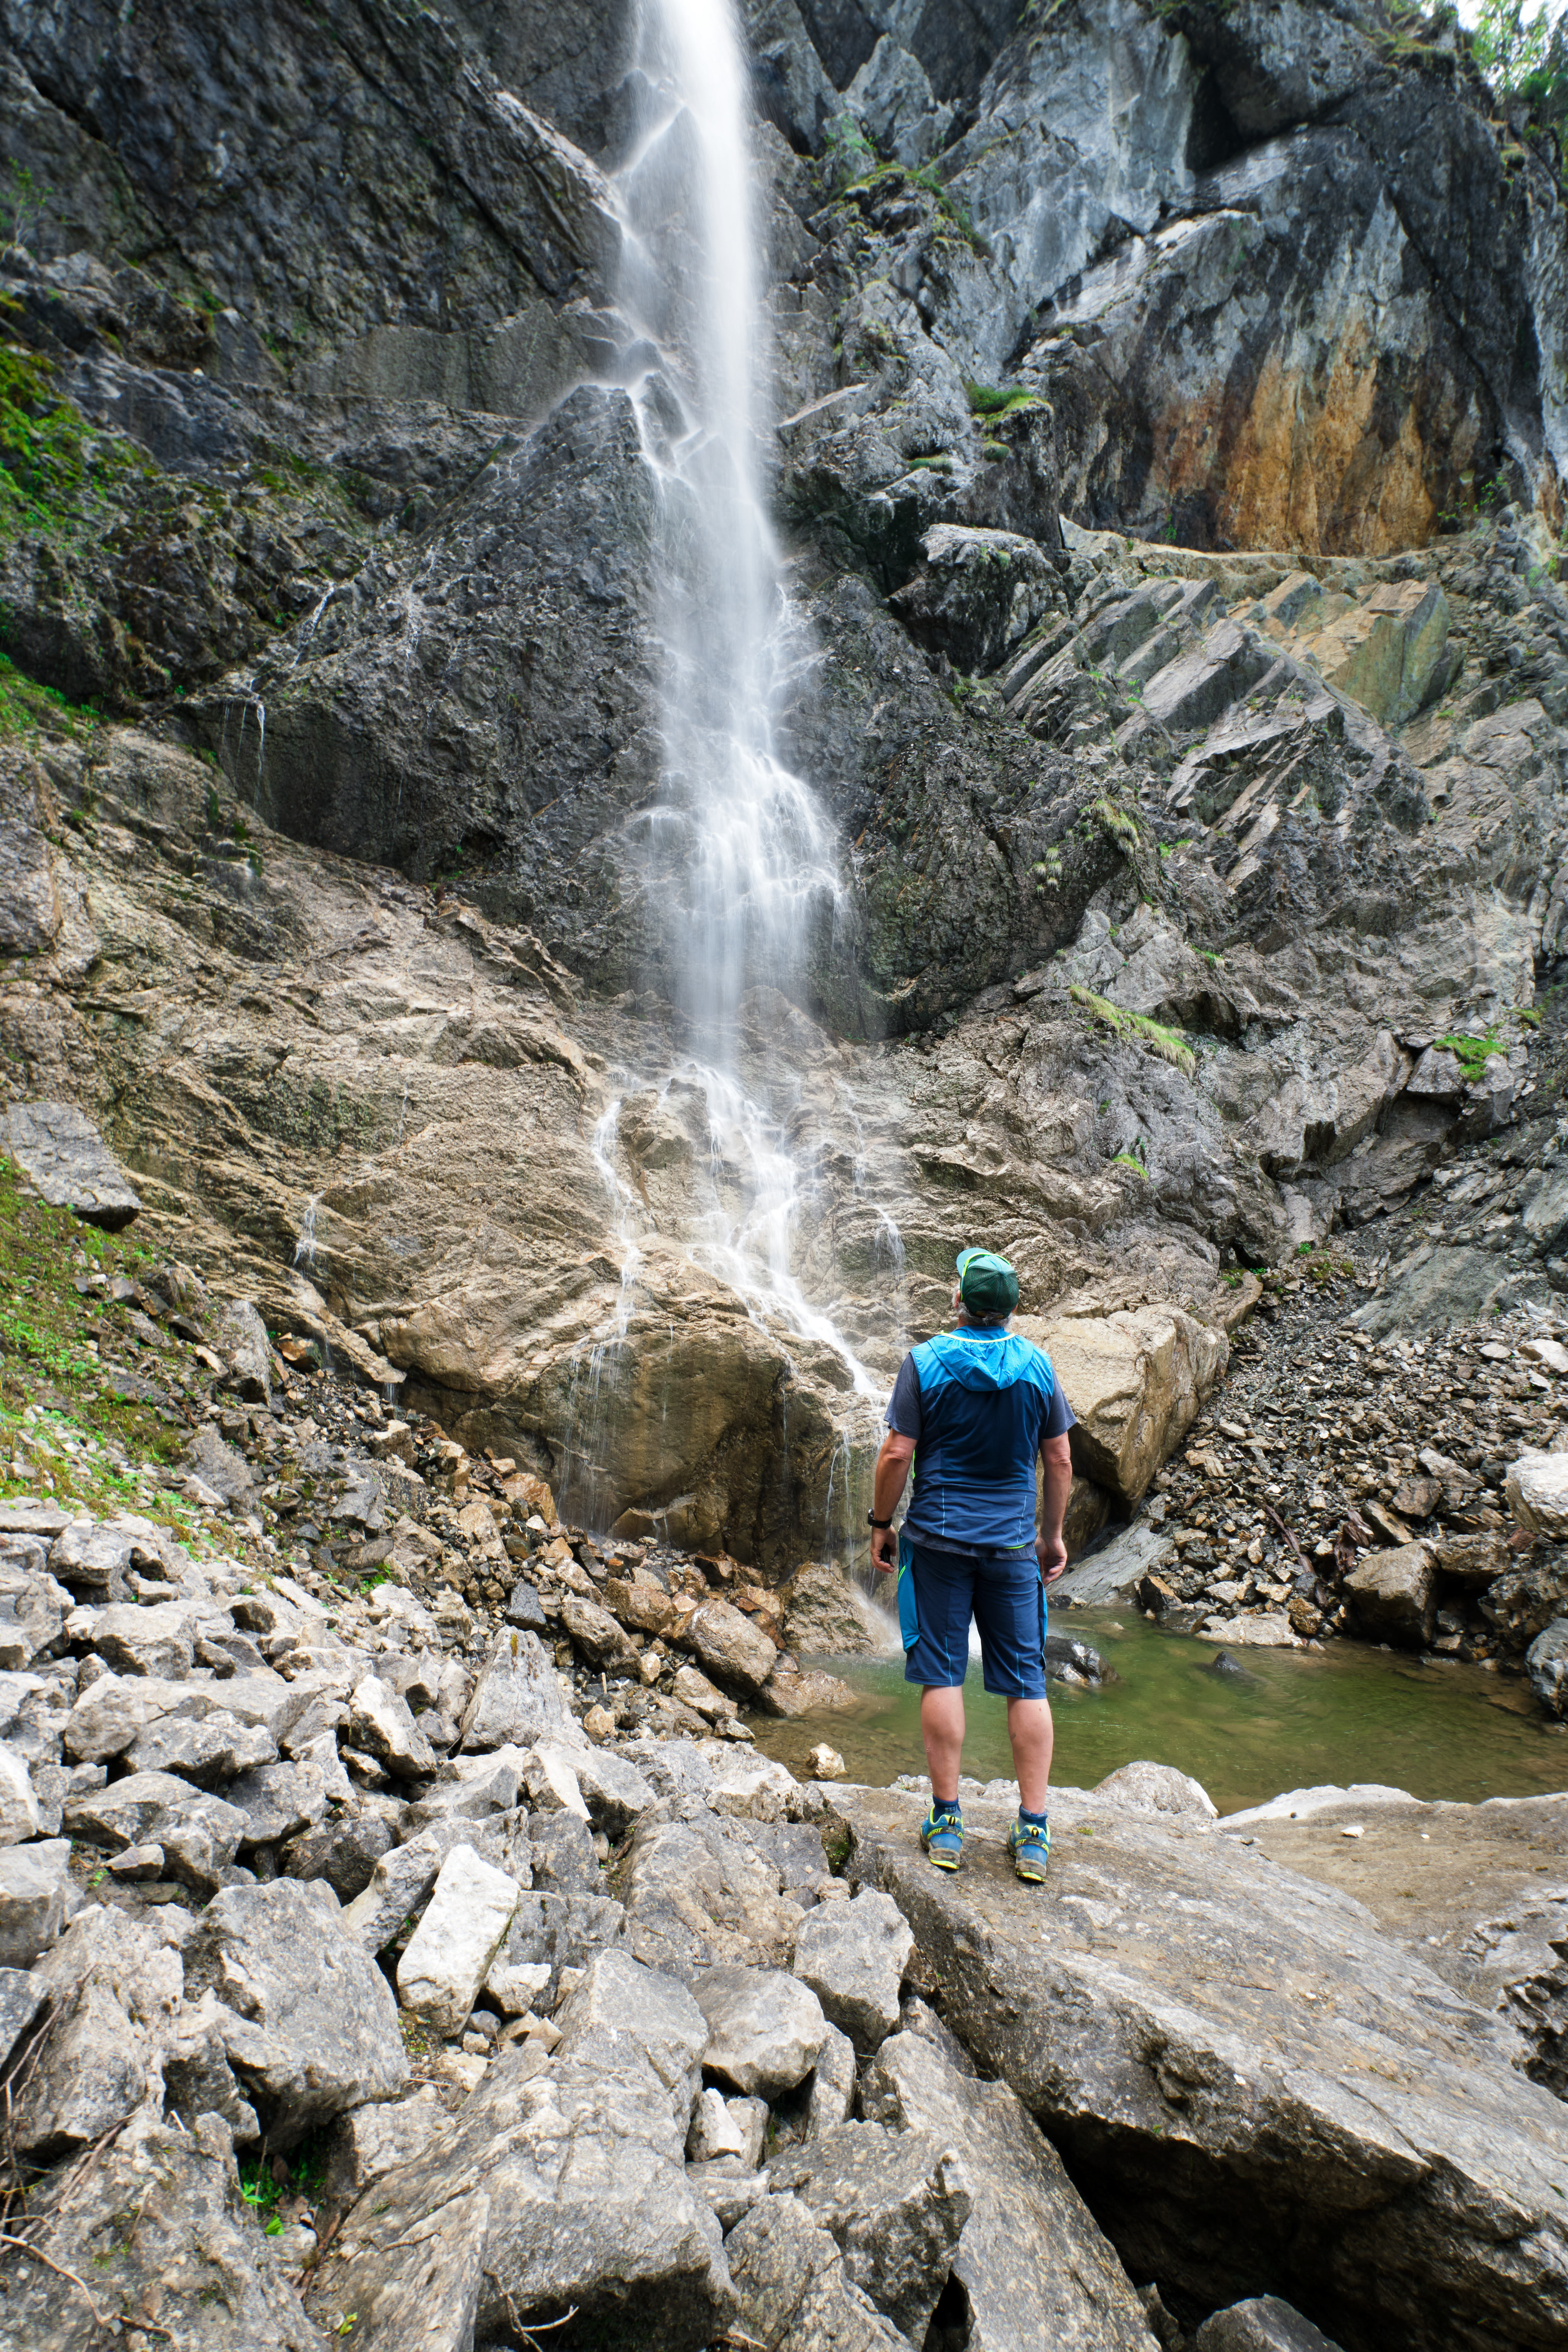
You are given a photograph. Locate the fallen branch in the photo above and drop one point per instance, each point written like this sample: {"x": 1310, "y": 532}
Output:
{"x": 26, "y": 2246}
{"x": 1290, "y": 1538}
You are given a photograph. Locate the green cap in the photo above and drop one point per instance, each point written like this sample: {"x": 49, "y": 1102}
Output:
{"x": 987, "y": 1282}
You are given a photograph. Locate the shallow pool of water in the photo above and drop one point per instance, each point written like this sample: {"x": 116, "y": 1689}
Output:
{"x": 1302, "y": 1717}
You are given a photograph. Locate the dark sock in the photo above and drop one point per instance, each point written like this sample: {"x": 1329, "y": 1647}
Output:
{"x": 1032, "y": 1821}
{"x": 952, "y": 1812}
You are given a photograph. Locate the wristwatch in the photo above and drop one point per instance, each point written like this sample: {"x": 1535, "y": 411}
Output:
{"x": 873, "y": 1521}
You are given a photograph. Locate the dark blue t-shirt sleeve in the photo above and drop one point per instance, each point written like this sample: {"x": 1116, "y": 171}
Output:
{"x": 1059, "y": 1415}
{"x": 903, "y": 1414}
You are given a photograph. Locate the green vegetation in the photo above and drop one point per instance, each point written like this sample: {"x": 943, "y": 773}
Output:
{"x": 991, "y": 400}
{"x": 265, "y": 2182}
{"x": 29, "y": 708}
{"x": 43, "y": 442}
{"x": 1511, "y": 52}
{"x": 1472, "y": 1054}
{"x": 1168, "y": 1044}
{"x": 1130, "y": 1159}
{"x": 63, "y": 1432}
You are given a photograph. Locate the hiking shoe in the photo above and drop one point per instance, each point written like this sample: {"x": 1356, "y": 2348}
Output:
{"x": 942, "y": 1834}
{"x": 1029, "y": 1844}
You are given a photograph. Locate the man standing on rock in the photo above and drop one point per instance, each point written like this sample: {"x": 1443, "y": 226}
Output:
{"x": 981, "y": 1403}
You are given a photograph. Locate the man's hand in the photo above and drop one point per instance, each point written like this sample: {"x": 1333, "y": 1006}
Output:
{"x": 884, "y": 1550}
{"x": 1052, "y": 1555}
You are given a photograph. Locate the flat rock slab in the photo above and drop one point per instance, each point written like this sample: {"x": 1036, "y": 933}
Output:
{"x": 1479, "y": 1892}
{"x": 1252, "y": 2084}
{"x": 60, "y": 1150}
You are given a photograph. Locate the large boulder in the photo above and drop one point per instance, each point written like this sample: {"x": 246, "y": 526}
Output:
{"x": 1248, "y": 2079}
{"x": 1031, "y": 2260}
{"x": 316, "y": 2026}
{"x": 765, "y": 2030}
{"x": 730, "y": 1645}
{"x": 581, "y": 2157}
{"x": 1546, "y": 1661}
{"x": 822, "y": 1617}
{"x": 38, "y": 1897}
{"x": 702, "y": 1892}
{"x": 449, "y": 1955}
{"x": 1392, "y": 1595}
{"x": 795, "y": 2295}
{"x": 1537, "y": 1489}
{"x": 154, "y": 2217}
{"x": 1135, "y": 1382}
{"x": 853, "y": 1956}
{"x": 895, "y": 2203}
{"x": 113, "y": 1986}
{"x": 518, "y": 1700}
{"x": 57, "y": 1146}
{"x": 198, "y": 1833}
{"x": 1261, "y": 2323}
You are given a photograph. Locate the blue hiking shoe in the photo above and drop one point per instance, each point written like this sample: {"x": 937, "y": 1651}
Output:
{"x": 1029, "y": 1844}
{"x": 942, "y": 1834}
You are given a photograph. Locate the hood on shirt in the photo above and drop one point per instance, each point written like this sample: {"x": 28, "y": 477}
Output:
{"x": 977, "y": 1363}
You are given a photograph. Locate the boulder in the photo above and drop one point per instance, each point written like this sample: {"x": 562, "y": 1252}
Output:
{"x": 596, "y": 1635}
{"x": 830, "y": 2094}
{"x": 1262, "y": 2324}
{"x": 342, "y": 1851}
{"x": 382, "y": 1724}
{"x": 19, "y": 1805}
{"x": 524, "y": 1608}
{"x": 400, "y": 1882}
{"x": 721, "y": 2126}
{"x": 728, "y": 1779}
{"x": 279, "y": 1801}
{"x": 1355, "y": 2147}
{"x": 113, "y": 1985}
{"x": 195, "y": 2255}
{"x": 730, "y": 1645}
{"x": 38, "y": 1897}
{"x": 794, "y": 2294}
{"x": 240, "y": 1336}
{"x": 978, "y": 594}
{"x": 789, "y": 1692}
{"x": 220, "y": 1466}
{"x": 580, "y": 2156}
{"x": 821, "y": 1616}
{"x": 68, "y": 1162}
{"x": 1537, "y": 1489}
{"x": 1392, "y": 1595}
{"x": 699, "y": 1892}
{"x": 1135, "y": 1380}
{"x": 33, "y": 1607}
{"x": 613, "y": 1789}
{"x": 1546, "y": 1662}
{"x": 424, "y": 2289}
{"x": 158, "y": 1641}
{"x": 372, "y": 2140}
{"x": 321, "y": 2025}
{"x": 853, "y": 1957}
{"x": 895, "y": 2203}
{"x": 617, "y": 2003}
{"x": 549, "y": 1931}
{"x": 765, "y": 2030}
{"x": 1157, "y": 1788}
{"x": 1032, "y": 2261}
{"x": 449, "y": 1955}
{"x": 199, "y": 1833}
{"x": 692, "y": 1687}
{"x": 518, "y": 1700}
{"x": 207, "y": 1749}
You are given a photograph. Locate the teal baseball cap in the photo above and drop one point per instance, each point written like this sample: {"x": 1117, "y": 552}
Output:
{"x": 987, "y": 1282}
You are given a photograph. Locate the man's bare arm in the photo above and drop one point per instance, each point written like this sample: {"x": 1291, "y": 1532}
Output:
{"x": 1056, "y": 1462}
{"x": 892, "y": 1470}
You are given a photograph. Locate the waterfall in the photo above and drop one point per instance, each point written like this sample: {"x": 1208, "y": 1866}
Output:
{"x": 740, "y": 864}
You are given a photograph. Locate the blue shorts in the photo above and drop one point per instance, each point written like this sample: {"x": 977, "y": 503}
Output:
{"x": 939, "y": 1591}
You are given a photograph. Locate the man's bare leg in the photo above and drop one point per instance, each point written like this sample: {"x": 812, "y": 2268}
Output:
{"x": 941, "y": 1729}
{"x": 1033, "y": 1735}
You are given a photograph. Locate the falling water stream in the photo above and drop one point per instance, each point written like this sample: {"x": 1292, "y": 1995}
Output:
{"x": 741, "y": 863}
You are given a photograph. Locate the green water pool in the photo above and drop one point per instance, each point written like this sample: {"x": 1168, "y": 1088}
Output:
{"x": 1301, "y": 1717}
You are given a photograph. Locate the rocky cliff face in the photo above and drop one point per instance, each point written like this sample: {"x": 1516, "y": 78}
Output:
{"x": 1174, "y": 406}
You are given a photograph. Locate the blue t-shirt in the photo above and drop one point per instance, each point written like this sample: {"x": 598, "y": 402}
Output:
{"x": 979, "y": 1403}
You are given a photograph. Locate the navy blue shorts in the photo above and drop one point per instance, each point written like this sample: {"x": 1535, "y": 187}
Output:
{"x": 939, "y": 1591}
